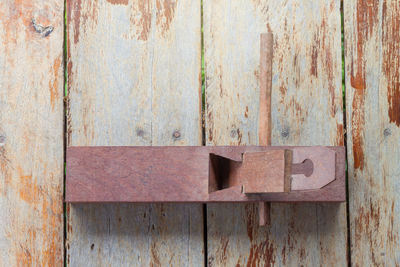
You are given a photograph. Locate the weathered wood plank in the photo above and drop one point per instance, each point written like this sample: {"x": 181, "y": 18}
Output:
{"x": 134, "y": 69}
{"x": 306, "y": 110}
{"x": 31, "y": 133}
{"x": 372, "y": 50}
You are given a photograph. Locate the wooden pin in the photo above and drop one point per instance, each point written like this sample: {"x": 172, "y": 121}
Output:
{"x": 264, "y": 121}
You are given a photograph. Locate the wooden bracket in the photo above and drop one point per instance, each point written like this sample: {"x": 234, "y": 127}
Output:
{"x": 205, "y": 174}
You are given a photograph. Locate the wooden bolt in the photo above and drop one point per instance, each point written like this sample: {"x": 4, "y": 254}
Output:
{"x": 264, "y": 121}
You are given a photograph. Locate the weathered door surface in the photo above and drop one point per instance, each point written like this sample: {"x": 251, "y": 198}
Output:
{"x": 306, "y": 110}
{"x": 31, "y": 133}
{"x": 372, "y": 49}
{"x": 134, "y": 79}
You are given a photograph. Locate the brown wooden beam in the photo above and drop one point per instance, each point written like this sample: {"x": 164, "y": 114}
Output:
{"x": 196, "y": 174}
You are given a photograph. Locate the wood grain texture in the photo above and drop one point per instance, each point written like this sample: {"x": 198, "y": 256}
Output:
{"x": 185, "y": 174}
{"x": 372, "y": 45}
{"x": 306, "y": 110}
{"x": 31, "y": 133}
{"x": 134, "y": 79}
{"x": 264, "y": 114}
{"x": 265, "y": 78}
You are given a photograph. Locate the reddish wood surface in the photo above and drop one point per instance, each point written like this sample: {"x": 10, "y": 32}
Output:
{"x": 264, "y": 120}
{"x": 264, "y": 115}
{"x": 256, "y": 172}
{"x": 173, "y": 174}
{"x": 265, "y": 172}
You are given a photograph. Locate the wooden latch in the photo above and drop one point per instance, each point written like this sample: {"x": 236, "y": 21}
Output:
{"x": 203, "y": 174}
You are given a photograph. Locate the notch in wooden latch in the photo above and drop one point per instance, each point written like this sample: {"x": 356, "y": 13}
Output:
{"x": 256, "y": 172}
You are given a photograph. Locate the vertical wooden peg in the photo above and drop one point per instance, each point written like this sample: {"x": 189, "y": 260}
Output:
{"x": 264, "y": 120}
{"x": 264, "y": 213}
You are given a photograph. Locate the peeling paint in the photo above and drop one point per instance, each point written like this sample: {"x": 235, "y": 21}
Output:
{"x": 358, "y": 121}
{"x": 339, "y": 135}
{"x": 74, "y": 14}
{"x": 79, "y": 15}
{"x": 314, "y": 56}
{"x": 141, "y": 19}
{"x": 118, "y": 2}
{"x": 391, "y": 57}
{"x": 28, "y": 189}
{"x": 165, "y": 14}
{"x": 366, "y": 17}
{"x": 54, "y": 83}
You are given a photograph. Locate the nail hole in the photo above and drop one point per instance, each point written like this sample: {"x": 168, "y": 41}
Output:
{"x": 387, "y": 132}
{"x": 139, "y": 132}
{"x": 176, "y": 134}
{"x": 285, "y": 132}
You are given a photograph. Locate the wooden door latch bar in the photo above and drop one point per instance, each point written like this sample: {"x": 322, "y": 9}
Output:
{"x": 205, "y": 174}
{"x": 260, "y": 174}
